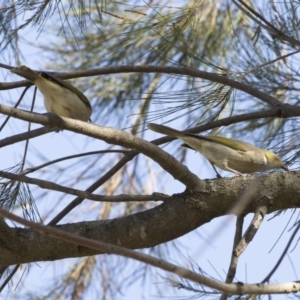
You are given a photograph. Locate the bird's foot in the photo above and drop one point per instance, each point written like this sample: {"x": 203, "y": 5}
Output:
{"x": 54, "y": 120}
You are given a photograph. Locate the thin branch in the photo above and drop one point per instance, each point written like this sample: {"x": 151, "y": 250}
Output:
{"x": 251, "y": 230}
{"x": 16, "y": 105}
{"x": 128, "y": 157}
{"x": 272, "y": 61}
{"x": 112, "y": 136}
{"x": 29, "y": 129}
{"x": 238, "y": 288}
{"x": 274, "y": 31}
{"x": 158, "y": 69}
{"x": 270, "y": 25}
{"x": 60, "y": 188}
{"x": 272, "y": 113}
{"x": 25, "y": 135}
{"x": 33, "y": 169}
{"x": 281, "y": 111}
{"x": 234, "y": 259}
{"x": 9, "y": 277}
{"x": 283, "y": 254}
{"x": 244, "y": 242}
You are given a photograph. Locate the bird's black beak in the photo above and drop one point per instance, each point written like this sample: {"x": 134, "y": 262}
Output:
{"x": 284, "y": 168}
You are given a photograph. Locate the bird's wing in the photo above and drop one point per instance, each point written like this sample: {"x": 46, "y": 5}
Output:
{"x": 234, "y": 144}
{"x": 67, "y": 85}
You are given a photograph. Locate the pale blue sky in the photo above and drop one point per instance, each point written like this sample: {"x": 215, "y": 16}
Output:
{"x": 210, "y": 249}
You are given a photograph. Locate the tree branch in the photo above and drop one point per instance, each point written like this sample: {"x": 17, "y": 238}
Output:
{"x": 242, "y": 243}
{"x": 25, "y": 136}
{"x": 112, "y": 136}
{"x": 238, "y": 288}
{"x": 183, "y": 213}
{"x": 158, "y": 69}
{"x": 83, "y": 194}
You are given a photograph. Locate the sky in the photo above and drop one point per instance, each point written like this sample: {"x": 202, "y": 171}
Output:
{"x": 209, "y": 246}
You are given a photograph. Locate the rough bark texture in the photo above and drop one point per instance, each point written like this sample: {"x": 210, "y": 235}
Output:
{"x": 168, "y": 221}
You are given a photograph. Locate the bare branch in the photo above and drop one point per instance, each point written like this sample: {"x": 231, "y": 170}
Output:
{"x": 274, "y": 31}
{"x": 158, "y": 69}
{"x": 112, "y": 136}
{"x": 251, "y": 231}
{"x": 238, "y": 288}
{"x": 33, "y": 169}
{"x": 16, "y": 105}
{"x": 241, "y": 245}
{"x": 140, "y": 230}
{"x": 83, "y": 194}
{"x": 94, "y": 186}
{"x": 268, "y": 277}
{"x": 233, "y": 263}
{"x": 24, "y": 136}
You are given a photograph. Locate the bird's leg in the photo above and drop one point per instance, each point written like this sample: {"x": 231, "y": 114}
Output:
{"x": 218, "y": 175}
{"x": 54, "y": 118}
{"x": 225, "y": 167}
{"x": 233, "y": 171}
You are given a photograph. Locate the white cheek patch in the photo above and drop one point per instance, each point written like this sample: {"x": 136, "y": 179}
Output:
{"x": 265, "y": 159}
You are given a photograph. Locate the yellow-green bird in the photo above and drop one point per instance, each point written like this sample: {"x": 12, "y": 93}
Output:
{"x": 231, "y": 155}
{"x": 60, "y": 97}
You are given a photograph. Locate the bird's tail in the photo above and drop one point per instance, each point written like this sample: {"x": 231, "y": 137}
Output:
{"x": 165, "y": 130}
{"x": 25, "y": 72}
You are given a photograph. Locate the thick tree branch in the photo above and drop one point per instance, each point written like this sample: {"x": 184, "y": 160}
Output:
{"x": 172, "y": 219}
{"x": 240, "y": 289}
{"x": 6, "y": 235}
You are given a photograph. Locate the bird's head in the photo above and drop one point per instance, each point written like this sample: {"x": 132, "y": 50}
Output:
{"x": 274, "y": 161}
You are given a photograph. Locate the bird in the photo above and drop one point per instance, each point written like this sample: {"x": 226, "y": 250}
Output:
{"x": 231, "y": 155}
{"x": 60, "y": 97}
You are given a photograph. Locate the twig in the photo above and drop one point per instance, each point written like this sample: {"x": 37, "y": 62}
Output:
{"x": 83, "y": 194}
{"x": 240, "y": 245}
{"x": 25, "y": 135}
{"x": 234, "y": 259}
{"x": 16, "y": 105}
{"x": 267, "y": 278}
{"x": 274, "y": 31}
{"x": 33, "y": 169}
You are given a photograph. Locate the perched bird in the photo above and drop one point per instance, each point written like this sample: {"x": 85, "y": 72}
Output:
{"x": 60, "y": 97}
{"x": 227, "y": 154}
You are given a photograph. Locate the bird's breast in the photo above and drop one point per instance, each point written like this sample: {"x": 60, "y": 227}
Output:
{"x": 62, "y": 101}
